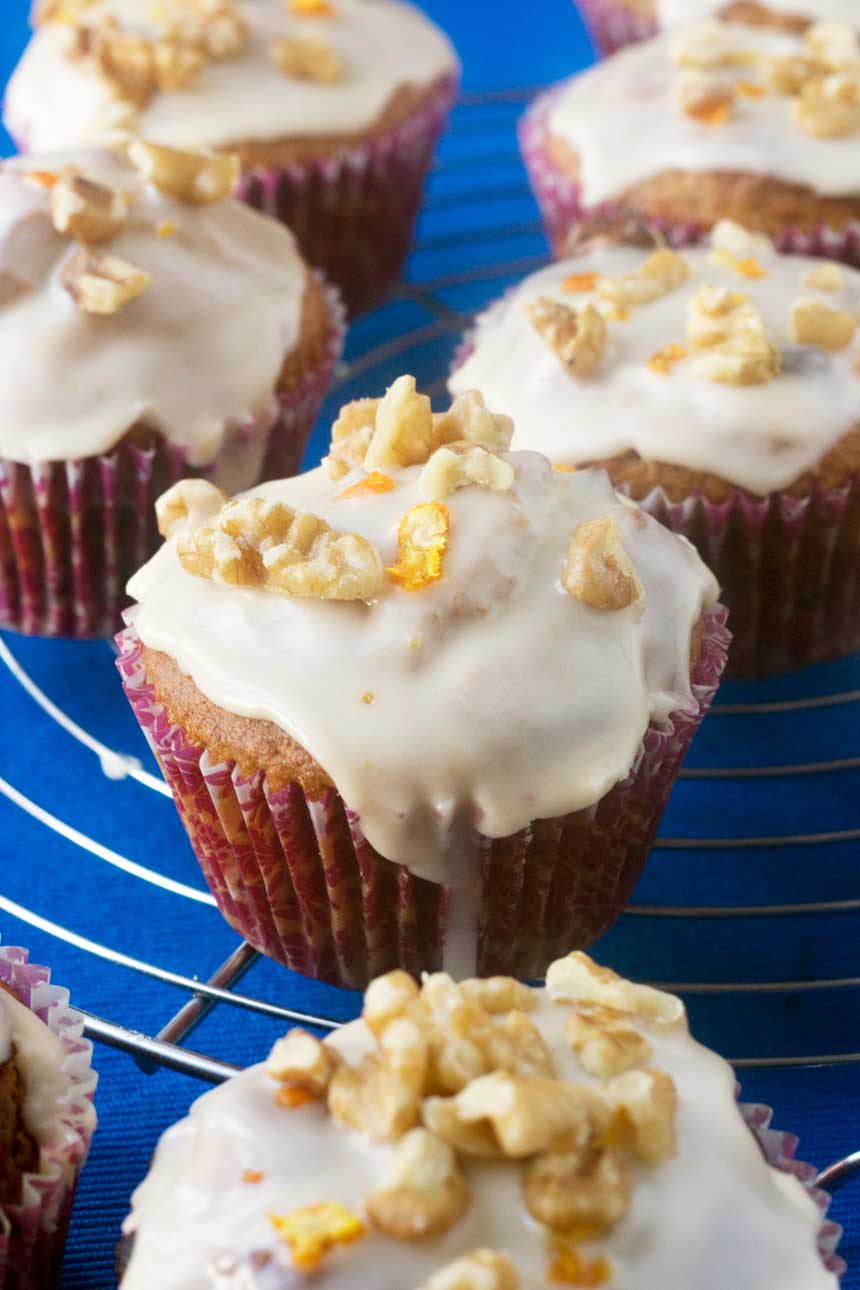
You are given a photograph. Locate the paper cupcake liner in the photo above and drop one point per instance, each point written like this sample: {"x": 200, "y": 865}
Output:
{"x": 73, "y": 532}
{"x": 565, "y": 215}
{"x": 297, "y": 878}
{"x": 614, "y": 26}
{"x": 33, "y": 1233}
{"x": 780, "y": 1151}
{"x": 354, "y": 213}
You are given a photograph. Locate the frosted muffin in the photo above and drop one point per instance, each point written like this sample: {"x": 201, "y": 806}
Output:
{"x": 720, "y": 120}
{"x": 46, "y": 1121}
{"x": 424, "y": 705}
{"x": 150, "y": 328}
{"x": 719, "y": 388}
{"x": 616, "y": 23}
{"x": 333, "y": 107}
{"x": 483, "y": 1137}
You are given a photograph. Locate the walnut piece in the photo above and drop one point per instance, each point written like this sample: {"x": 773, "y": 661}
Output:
{"x": 458, "y": 466}
{"x": 605, "y": 1042}
{"x": 598, "y": 571}
{"x": 468, "y": 420}
{"x": 814, "y": 323}
{"x": 834, "y": 45}
{"x": 188, "y": 498}
{"x": 176, "y": 66}
{"x": 196, "y": 178}
{"x": 705, "y": 97}
{"x": 480, "y": 1270}
{"x": 300, "y": 1060}
{"x": 125, "y": 61}
{"x": 215, "y": 28}
{"x": 85, "y": 210}
{"x": 706, "y": 45}
{"x": 307, "y": 59}
{"x": 588, "y": 1191}
{"x": 828, "y": 107}
{"x": 499, "y": 994}
{"x": 100, "y": 283}
{"x": 824, "y": 277}
{"x": 350, "y": 437}
{"x": 387, "y": 998}
{"x": 731, "y": 340}
{"x": 648, "y": 1103}
{"x": 578, "y": 979}
{"x": 442, "y": 1116}
{"x": 788, "y": 75}
{"x": 403, "y": 428}
{"x": 255, "y": 543}
{"x": 382, "y": 1096}
{"x": 576, "y": 336}
{"x": 736, "y": 245}
{"x": 661, "y": 273}
{"x": 529, "y": 1115}
{"x": 423, "y": 1190}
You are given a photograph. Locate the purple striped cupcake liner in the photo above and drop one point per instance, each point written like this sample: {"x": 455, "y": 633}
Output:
{"x": 73, "y": 532}
{"x": 566, "y": 217}
{"x": 614, "y": 24}
{"x": 354, "y": 213}
{"x": 296, "y": 877}
{"x": 33, "y": 1232}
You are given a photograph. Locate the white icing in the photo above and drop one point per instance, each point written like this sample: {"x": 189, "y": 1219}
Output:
{"x": 39, "y": 1056}
{"x": 716, "y": 1216}
{"x": 54, "y": 103}
{"x": 674, "y": 12}
{"x": 762, "y": 437}
{"x": 497, "y": 697}
{"x": 633, "y": 97}
{"x": 197, "y": 356}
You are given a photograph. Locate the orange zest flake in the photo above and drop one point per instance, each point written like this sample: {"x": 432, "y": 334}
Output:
{"x": 375, "y": 482}
{"x": 711, "y": 114}
{"x": 311, "y": 8}
{"x": 368, "y": 697}
{"x": 581, "y": 282}
{"x": 292, "y": 1096}
{"x": 747, "y": 268}
{"x": 564, "y": 470}
{"x": 665, "y": 359}
{"x": 166, "y": 228}
{"x": 750, "y": 90}
{"x": 253, "y": 1176}
{"x": 571, "y": 1268}
{"x": 314, "y": 1230}
{"x": 44, "y": 178}
{"x": 422, "y": 541}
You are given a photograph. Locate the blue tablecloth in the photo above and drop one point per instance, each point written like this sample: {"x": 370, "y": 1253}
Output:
{"x": 478, "y": 233}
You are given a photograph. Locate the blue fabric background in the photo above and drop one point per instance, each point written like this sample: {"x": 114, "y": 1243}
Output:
{"x": 478, "y": 233}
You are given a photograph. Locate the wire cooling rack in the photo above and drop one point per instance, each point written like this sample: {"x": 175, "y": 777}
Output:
{"x": 749, "y": 906}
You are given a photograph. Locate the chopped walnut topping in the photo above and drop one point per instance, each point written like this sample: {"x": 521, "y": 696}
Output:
{"x": 176, "y": 66}
{"x": 834, "y": 45}
{"x": 605, "y": 1042}
{"x": 125, "y": 61}
{"x": 85, "y": 210}
{"x": 215, "y": 28}
{"x": 731, "y": 340}
{"x": 350, "y": 437}
{"x": 529, "y": 1116}
{"x": 468, "y": 420}
{"x": 649, "y": 1103}
{"x": 403, "y": 433}
{"x": 60, "y": 11}
{"x": 829, "y": 107}
{"x": 442, "y": 1116}
{"x": 788, "y": 75}
{"x": 499, "y": 994}
{"x": 824, "y": 277}
{"x": 315, "y": 1230}
{"x": 195, "y": 498}
{"x": 814, "y": 323}
{"x": 422, "y": 540}
{"x": 578, "y": 979}
{"x": 306, "y": 59}
{"x": 451, "y": 468}
{"x": 480, "y": 1270}
{"x": 301, "y": 1061}
{"x": 589, "y": 1190}
{"x": 254, "y": 543}
{"x": 195, "y": 178}
{"x": 382, "y": 1096}
{"x": 387, "y": 998}
{"x": 423, "y": 1190}
{"x": 663, "y": 272}
{"x": 706, "y": 45}
{"x": 598, "y": 571}
{"x": 100, "y": 283}
{"x": 576, "y": 336}
{"x": 705, "y": 97}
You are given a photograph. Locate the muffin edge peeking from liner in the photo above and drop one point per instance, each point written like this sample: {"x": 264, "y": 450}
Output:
{"x": 614, "y": 24}
{"x": 73, "y": 531}
{"x": 290, "y": 864}
{"x": 564, "y": 1131}
{"x": 33, "y": 1233}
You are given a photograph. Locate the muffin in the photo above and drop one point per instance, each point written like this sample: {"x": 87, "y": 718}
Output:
{"x": 484, "y": 1136}
{"x": 719, "y": 121}
{"x": 616, "y": 23}
{"x": 423, "y": 705}
{"x": 47, "y": 1120}
{"x": 150, "y": 328}
{"x": 333, "y": 107}
{"x": 718, "y": 388}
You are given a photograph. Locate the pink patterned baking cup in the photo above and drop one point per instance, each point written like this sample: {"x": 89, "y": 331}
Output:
{"x": 73, "y": 532}
{"x": 33, "y": 1232}
{"x": 615, "y": 24}
{"x": 565, "y": 216}
{"x": 780, "y": 1151}
{"x": 354, "y": 213}
{"x": 297, "y": 878}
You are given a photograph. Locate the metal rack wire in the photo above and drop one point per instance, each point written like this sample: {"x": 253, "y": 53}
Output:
{"x": 460, "y": 185}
